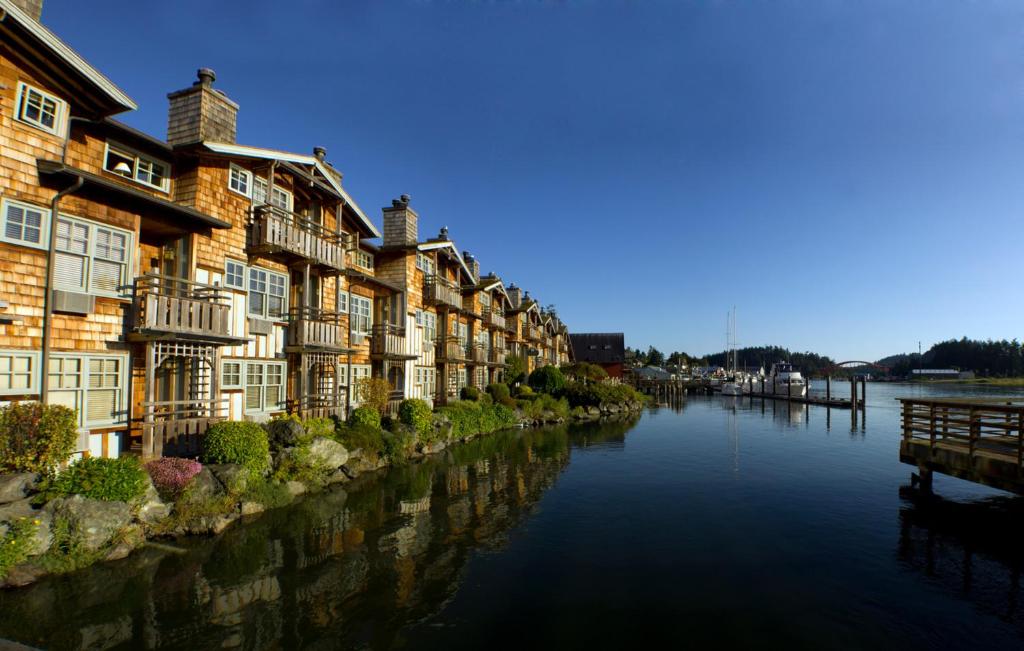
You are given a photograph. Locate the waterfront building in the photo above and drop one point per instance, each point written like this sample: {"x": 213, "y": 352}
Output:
{"x": 165, "y": 285}
{"x": 606, "y": 349}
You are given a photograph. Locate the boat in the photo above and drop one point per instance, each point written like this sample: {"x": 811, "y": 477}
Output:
{"x": 732, "y": 389}
{"x": 785, "y": 380}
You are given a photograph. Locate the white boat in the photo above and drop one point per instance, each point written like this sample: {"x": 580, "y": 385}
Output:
{"x": 732, "y": 389}
{"x": 785, "y": 380}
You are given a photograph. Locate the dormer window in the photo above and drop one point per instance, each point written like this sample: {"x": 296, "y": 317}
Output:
{"x": 136, "y": 167}
{"x": 41, "y": 110}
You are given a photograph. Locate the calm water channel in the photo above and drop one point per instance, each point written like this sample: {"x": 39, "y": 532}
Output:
{"x": 721, "y": 522}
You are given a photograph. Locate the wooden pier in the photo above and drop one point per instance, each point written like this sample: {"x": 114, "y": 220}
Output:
{"x": 671, "y": 390}
{"x": 980, "y": 440}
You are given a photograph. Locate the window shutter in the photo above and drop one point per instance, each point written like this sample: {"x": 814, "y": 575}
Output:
{"x": 106, "y": 275}
{"x": 69, "y": 271}
{"x": 101, "y": 405}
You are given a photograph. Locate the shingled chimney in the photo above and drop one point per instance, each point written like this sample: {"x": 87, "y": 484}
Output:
{"x": 515, "y": 295}
{"x": 473, "y": 265}
{"x": 400, "y": 223}
{"x": 201, "y": 113}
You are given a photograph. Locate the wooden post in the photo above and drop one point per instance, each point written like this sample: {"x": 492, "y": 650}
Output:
{"x": 148, "y": 444}
{"x": 789, "y": 389}
{"x": 828, "y": 388}
{"x": 853, "y": 393}
{"x": 863, "y": 392}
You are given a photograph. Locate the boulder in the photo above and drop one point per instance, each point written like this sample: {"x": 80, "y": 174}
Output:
{"x": 95, "y": 520}
{"x": 23, "y": 574}
{"x": 131, "y": 538}
{"x": 211, "y": 524}
{"x": 206, "y": 484}
{"x": 433, "y": 448}
{"x": 16, "y": 487}
{"x": 295, "y": 488}
{"x": 251, "y": 508}
{"x": 337, "y": 477}
{"x": 326, "y": 453}
{"x": 284, "y": 433}
{"x": 14, "y": 510}
{"x": 233, "y": 477}
{"x": 150, "y": 508}
{"x": 594, "y": 412}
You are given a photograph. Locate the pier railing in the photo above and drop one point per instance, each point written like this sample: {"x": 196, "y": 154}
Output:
{"x": 992, "y": 428}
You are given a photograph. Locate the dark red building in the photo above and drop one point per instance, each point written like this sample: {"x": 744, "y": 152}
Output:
{"x": 606, "y": 349}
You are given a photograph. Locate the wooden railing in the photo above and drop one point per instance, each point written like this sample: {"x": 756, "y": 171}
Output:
{"x": 313, "y": 328}
{"x": 318, "y": 405}
{"x": 494, "y": 317}
{"x": 388, "y": 339}
{"x": 176, "y": 427}
{"x": 477, "y": 353}
{"x": 992, "y": 428}
{"x": 531, "y": 332}
{"x": 394, "y": 402}
{"x": 438, "y": 291}
{"x": 451, "y": 349}
{"x": 169, "y": 305}
{"x": 276, "y": 230}
{"x": 496, "y": 356}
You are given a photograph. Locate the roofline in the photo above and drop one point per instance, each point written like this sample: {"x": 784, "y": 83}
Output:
{"x": 302, "y": 159}
{"x": 68, "y": 56}
{"x": 443, "y": 244}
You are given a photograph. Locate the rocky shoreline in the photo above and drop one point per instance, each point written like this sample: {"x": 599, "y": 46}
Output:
{"x": 71, "y": 532}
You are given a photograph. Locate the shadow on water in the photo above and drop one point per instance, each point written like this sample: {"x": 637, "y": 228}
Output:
{"x": 971, "y": 550}
{"x": 348, "y": 567}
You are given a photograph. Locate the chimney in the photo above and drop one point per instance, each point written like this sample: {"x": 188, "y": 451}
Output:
{"x": 473, "y": 265}
{"x": 34, "y": 8}
{"x": 515, "y": 295}
{"x": 319, "y": 153}
{"x": 400, "y": 223}
{"x": 201, "y": 113}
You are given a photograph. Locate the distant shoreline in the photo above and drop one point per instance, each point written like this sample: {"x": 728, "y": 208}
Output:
{"x": 984, "y": 381}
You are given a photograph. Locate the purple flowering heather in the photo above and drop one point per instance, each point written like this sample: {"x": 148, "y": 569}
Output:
{"x": 171, "y": 474}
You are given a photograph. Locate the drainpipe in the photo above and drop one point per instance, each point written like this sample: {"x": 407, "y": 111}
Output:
{"x": 44, "y": 394}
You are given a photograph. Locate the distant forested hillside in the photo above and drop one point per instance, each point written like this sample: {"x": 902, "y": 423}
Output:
{"x": 808, "y": 363}
{"x": 989, "y": 358}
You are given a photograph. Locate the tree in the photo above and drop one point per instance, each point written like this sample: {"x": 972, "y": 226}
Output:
{"x": 515, "y": 370}
{"x": 374, "y": 392}
{"x": 655, "y": 357}
{"x": 547, "y": 379}
{"x": 585, "y": 372}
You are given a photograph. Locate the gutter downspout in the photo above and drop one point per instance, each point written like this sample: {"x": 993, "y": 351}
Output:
{"x": 44, "y": 394}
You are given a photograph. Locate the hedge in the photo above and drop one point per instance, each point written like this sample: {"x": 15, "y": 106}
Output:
{"x": 240, "y": 442}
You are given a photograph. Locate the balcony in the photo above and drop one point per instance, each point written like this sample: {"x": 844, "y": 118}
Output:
{"x": 318, "y": 405}
{"x": 531, "y": 332}
{"x": 438, "y": 291}
{"x": 312, "y": 329}
{"x": 174, "y": 308}
{"x": 496, "y": 356}
{"x": 278, "y": 232}
{"x": 494, "y": 318}
{"x": 450, "y": 349}
{"x": 477, "y": 354}
{"x": 388, "y": 342}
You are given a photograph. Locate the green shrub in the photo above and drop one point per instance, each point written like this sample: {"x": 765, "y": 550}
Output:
{"x": 547, "y": 379}
{"x": 536, "y": 408}
{"x": 469, "y": 418}
{"x": 524, "y": 392}
{"x": 361, "y": 437}
{"x": 396, "y": 446}
{"x": 415, "y": 413}
{"x": 36, "y": 437}
{"x": 243, "y": 443}
{"x": 16, "y": 543}
{"x": 67, "y": 552}
{"x": 594, "y": 395}
{"x": 374, "y": 392}
{"x": 111, "y": 480}
{"x": 319, "y": 427}
{"x": 365, "y": 417}
{"x": 499, "y": 392}
{"x": 271, "y": 495}
{"x": 469, "y": 393}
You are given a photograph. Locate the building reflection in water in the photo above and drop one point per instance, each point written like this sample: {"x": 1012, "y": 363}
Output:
{"x": 971, "y": 550}
{"x": 348, "y": 567}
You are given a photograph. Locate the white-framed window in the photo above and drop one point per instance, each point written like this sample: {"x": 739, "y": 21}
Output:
{"x": 485, "y": 299}
{"x": 426, "y": 380}
{"x": 92, "y": 258}
{"x": 92, "y": 385}
{"x": 360, "y": 313}
{"x": 25, "y": 224}
{"x": 137, "y": 167}
{"x": 240, "y": 180}
{"x": 425, "y": 264}
{"x": 231, "y": 374}
{"x": 267, "y": 293}
{"x": 428, "y": 321}
{"x": 40, "y": 109}
{"x": 19, "y": 373}
{"x": 281, "y": 197}
{"x": 234, "y": 274}
{"x": 342, "y": 302}
{"x": 460, "y": 378}
{"x": 363, "y": 259}
{"x": 264, "y": 386}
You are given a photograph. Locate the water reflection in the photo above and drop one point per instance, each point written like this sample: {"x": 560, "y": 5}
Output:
{"x": 343, "y": 568}
{"x": 968, "y": 549}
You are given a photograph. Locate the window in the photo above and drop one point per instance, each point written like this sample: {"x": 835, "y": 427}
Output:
{"x": 231, "y": 375}
{"x": 424, "y": 264}
{"x": 92, "y": 385}
{"x": 359, "y": 314}
{"x": 282, "y": 198}
{"x": 18, "y": 372}
{"x": 342, "y": 302}
{"x": 485, "y": 299}
{"x": 234, "y": 274}
{"x": 428, "y": 321}
{"x": 25, "y": 224}
{"x": 136, "y": 167}
{"x": 41, "y": 110}
{"x": 426, "y": 380}
{"x": 266, "y": 293}
{"x": 91, "y": 257}
{"x": 264, "y": 386}
{"x": 240, "y": 180}
{"x": 363, "y": 259}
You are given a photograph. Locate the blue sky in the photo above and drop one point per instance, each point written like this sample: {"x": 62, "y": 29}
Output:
{"x": 847, "y": 174}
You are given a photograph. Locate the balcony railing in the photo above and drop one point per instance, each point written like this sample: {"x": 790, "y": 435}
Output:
{"x": 394, "y": 402}
{"x": 531, "y": 332}
{"x": 494, "y": 318}
{"x": 450, "y": 349}
{"x": 477, "y": 353}
{"x": 389, "y": 341}
{"x": 496, "y": 356}
{"x": 438, "y": 291}
{"x": 318, "y": 405}
{"x": 176, "y": 427}
{"x": 315, "y": 329}
{"x": 278, "y": 231}
{"x": 165, "y": 305}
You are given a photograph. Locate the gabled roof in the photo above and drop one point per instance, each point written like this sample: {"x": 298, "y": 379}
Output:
{"x": 64, "y": 59}
{"x": 433, "y": 245}
{"x": 489, "y": 283}
{"x": 599, "y": 347}
{"x": 288, "y": 157}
